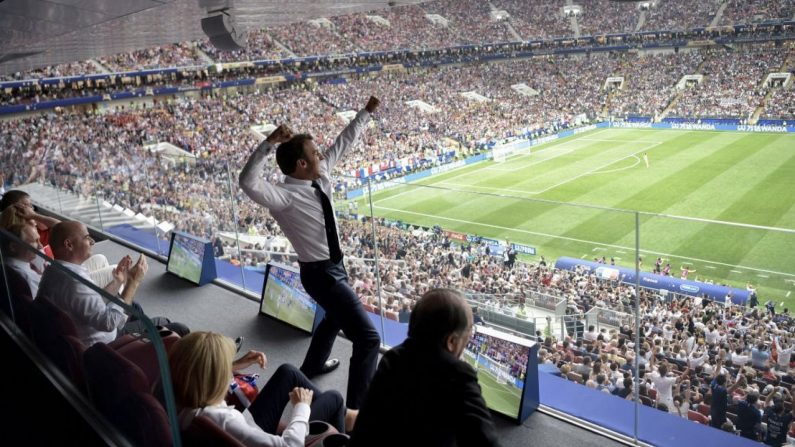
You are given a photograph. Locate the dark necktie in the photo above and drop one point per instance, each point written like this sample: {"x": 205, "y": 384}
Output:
{"x": 335, "y": 254}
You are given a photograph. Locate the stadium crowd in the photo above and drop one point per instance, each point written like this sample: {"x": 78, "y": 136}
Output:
{"x": 732, "y": 86}
{"x": 408, "y": 27}
{"x": 697, "y": 356}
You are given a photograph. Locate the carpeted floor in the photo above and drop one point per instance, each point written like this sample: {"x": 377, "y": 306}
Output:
{"x": 216, "y": 309}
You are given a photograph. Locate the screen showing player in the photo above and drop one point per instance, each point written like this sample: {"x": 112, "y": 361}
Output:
{"x": 501, "y": 360}
{"x": 284, "y": 298}
{"x": 186, "y": 257}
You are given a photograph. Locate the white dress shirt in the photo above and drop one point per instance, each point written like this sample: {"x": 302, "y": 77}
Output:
{"x": 246, "y": 431}
{"x": 24, "y": 269}
{"x": 294, "y": 203}
{"x": 96, "y": 320}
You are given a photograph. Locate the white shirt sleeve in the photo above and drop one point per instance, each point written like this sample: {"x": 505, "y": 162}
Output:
{"x": 346, "y": 139}
{"x": 234, "y": 423}
{"x": 257, "y": 186}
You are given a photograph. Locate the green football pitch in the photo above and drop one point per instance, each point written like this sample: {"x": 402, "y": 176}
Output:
{"x": 720, "y": 203}
{"x": 501, "y": 398}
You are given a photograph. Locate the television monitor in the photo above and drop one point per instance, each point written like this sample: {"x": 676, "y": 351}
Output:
{"x": 284, "y": 298}
{"x": 507, "y": 368}
{"x": 191, "y": 258}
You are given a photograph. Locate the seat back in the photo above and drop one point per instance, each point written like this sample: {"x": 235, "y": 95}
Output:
{"x": 203, "y": 432}
{"x": 142, "y": 419}
{"x": 110, "y": 378}
{"x": 704, "y": 409}
{"x": 142, "y": 353}
{"x": 55, "y": 334}
{"x": 15, "y": 295}
{"x": 50, "y": 322}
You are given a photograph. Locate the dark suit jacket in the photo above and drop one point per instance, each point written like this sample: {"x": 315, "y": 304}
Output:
{"x": 423, "y": 396}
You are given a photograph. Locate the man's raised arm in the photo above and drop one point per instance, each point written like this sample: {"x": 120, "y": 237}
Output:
{"x": 350, "y": 135}
{"x": 251, "y": 179}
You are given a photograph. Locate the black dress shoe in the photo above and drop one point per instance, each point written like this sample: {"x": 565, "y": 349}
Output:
{"x": 330, "y": 365}
{"x": 238, "y": 343}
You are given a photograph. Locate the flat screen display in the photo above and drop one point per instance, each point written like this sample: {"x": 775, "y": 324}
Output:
{"x": 284, "y": 298}
{"x": 186, "y": 257}
{"x": 501, "y": 361}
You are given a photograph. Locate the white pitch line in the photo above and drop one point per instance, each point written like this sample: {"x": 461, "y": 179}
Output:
{"x": 583, "y": 256}
{"x": 522, "y": 167}
{"x": 637, "y": 162}
{"x": 609, "y": 140}
{"x": 621, "y": 251}
{"x": 735, "y": 271}
{"x": 688, "y": 263}
{"x": 762, "y": 276}
{"x": 520, "y": 191}
{"x": 644, "y": 149}
{"x": 584, "y": 241}
{"x": 598, "y": 249}
{"x": 787, "y": 295}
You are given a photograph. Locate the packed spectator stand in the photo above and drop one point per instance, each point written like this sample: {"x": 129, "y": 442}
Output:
{"x": 693, "y": 338}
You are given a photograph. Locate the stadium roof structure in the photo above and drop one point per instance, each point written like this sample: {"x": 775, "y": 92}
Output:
{"x": 38, "y": 33}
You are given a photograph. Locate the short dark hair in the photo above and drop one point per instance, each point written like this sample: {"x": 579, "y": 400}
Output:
{"x": 289, "y": 152}
{"x": 12, "y": 197}
{"x": 439, "y": 313}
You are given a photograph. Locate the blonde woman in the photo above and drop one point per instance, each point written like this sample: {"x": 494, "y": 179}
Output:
{"x": 201, "y": 371}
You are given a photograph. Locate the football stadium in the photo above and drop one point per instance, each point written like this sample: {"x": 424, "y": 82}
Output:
{"x": 609, "y": 185}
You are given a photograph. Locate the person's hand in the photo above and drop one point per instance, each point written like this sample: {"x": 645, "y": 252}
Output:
{"x": 250, "y": 358}
{"x": 24, "y": 212}
{"x": 280, "y": 135}
{"x": 301, "y": 395}
{"x": 121, "y": 272}
{"x": 138, "y": 271}
{"x": 372, "y": 104}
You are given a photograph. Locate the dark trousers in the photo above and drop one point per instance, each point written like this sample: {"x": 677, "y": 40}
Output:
{"x": 134, "y": 325}
{"x": 327, "y": 283}
{"x": 267, "y": 408}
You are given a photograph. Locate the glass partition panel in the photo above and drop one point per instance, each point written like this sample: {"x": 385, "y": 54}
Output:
{"x": 53, "y": 309}
{"x": 530, "y": 266}
{"x": 716, "y": 307}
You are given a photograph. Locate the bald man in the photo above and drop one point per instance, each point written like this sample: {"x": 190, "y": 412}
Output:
{"x": 96, "y": 320}
{"x": 424, "y": 386}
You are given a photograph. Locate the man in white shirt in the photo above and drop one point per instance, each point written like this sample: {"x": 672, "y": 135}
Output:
{"x": 96, "y": 320}
{"x": 591, "y": 335}
{"x": 301, "y": 205}
{"x": 784, "y": 355}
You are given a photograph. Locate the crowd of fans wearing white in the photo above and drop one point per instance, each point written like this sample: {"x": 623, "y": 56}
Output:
{"x": 752, "y": 11}
{"x": 732, "y": 86}
{"x": 468, "y": 22}
{"x": 65, "y": 148}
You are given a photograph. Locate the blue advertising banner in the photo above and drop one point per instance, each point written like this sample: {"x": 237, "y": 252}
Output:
{"x": 653, "y": 281}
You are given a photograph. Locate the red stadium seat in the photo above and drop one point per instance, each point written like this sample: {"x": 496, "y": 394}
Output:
{"x": 202, "y": 432}
{"x": 653, "y": 394}
{"x": 697, "y": 417}
{"x": 142, "y": 353}
{"x": 391, "y": 314}
{"x": 704, "y": 409}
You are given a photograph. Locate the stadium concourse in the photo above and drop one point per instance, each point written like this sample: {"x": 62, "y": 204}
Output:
{"x": 151, "y": 143}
